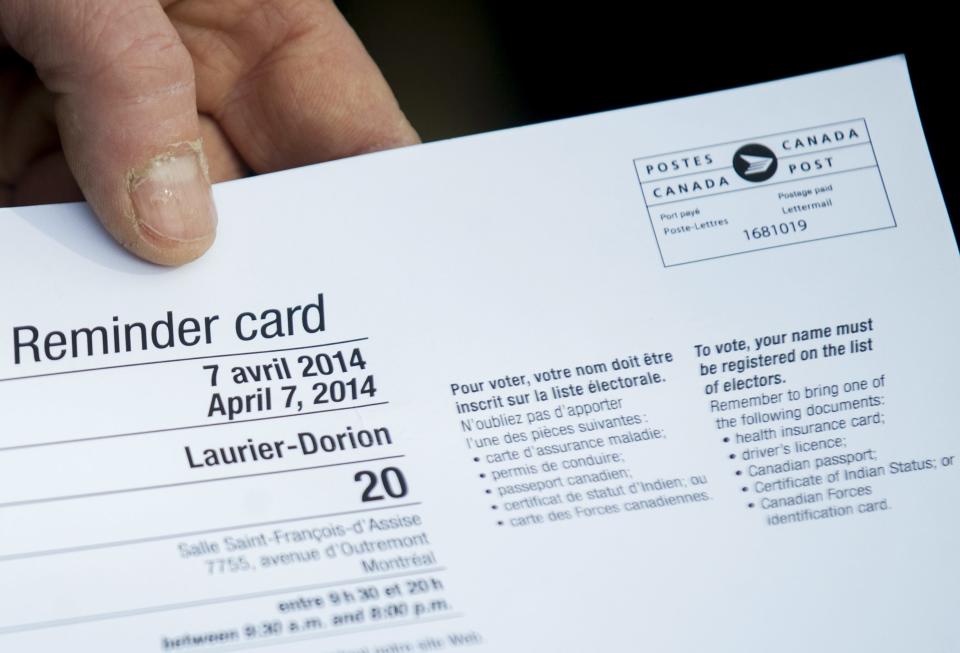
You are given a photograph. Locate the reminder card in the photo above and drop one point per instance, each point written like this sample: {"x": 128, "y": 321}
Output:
{"x": 680, "y": 377}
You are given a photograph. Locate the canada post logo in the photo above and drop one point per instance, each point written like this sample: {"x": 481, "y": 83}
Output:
{"x": 755, "y": 162}
{"x": 791, "y": 187}
{"x": 700, "y": 172}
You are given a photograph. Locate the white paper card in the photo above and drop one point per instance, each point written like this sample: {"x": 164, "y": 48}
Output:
{"x": 680, "y": 377}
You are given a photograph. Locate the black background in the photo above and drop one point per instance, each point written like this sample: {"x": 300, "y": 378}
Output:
{"x": 461, "y": 67}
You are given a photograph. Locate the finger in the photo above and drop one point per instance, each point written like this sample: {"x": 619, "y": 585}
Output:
{"x": 30, "y": 160}
{"x": 224, "y": 160}
{"x": 47, "y": 178}
{"x": 126, "y": 111}
{"x": 288, "y": 81}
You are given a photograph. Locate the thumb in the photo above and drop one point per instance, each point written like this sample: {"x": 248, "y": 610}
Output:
{"x": 127, "y": 115}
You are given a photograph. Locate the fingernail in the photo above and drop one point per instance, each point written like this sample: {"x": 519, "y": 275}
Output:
{"x": 171, "y": 196}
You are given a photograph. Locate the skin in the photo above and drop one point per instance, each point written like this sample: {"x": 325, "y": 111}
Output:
{"x": 137, "y": 105}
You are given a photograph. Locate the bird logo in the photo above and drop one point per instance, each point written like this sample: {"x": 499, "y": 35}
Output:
{"x": 755, "y": 162}
{"x": 756, "y": 165}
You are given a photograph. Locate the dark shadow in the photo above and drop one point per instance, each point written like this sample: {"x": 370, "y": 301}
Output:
{"x": 75, "y": 228}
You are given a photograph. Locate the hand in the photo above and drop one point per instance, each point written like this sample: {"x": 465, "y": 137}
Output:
{"x": 140, "y": 104}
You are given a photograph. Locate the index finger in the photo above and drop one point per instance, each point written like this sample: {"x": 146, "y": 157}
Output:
{"x": 289, "y": 82}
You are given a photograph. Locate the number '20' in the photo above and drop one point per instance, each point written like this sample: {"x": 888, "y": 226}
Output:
{"x": 390, "y": 479}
